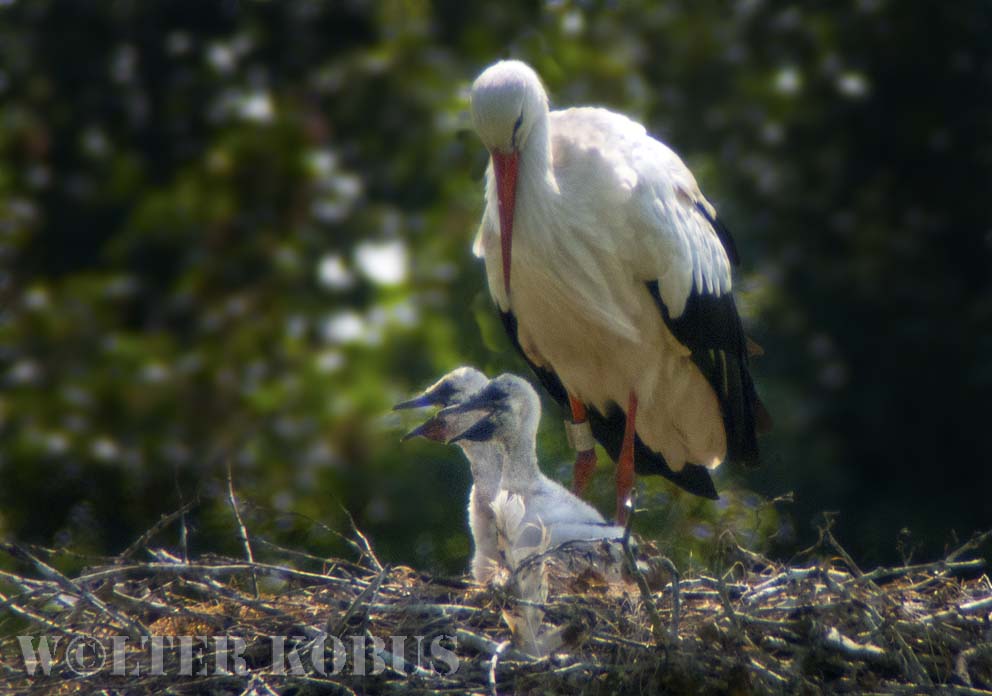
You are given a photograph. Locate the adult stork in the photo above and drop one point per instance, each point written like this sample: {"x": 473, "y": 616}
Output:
{"x": 612, "y": 274}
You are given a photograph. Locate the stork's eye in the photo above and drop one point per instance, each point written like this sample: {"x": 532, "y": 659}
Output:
{"x": 516, "y": 127}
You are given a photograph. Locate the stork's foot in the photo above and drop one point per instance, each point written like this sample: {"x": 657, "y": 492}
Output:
{"x": 585, "y": 465}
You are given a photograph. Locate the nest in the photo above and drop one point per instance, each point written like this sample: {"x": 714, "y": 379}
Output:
{"x": 311, "y": 625}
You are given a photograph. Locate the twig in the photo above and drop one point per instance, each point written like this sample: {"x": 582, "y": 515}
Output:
{"x": 676, "y": 594}
{"x": 487, "y": 647}
{"x": 364, "y": 598}
{"x": 838, "y": 642}
{"x": 912, "y": 663}
{"x": 735, "y": 622}
{"x": 163, "y": 522}
{"x": 365, "y": 548}
{"x": 642, "y": 584}
{"x": 493, "y": 662}
{"x": 134, "y": 628}
{"x": 937, "y": 567}
{"x": 25, "y": 584}
{"x": 242, "y": 531}
{"x": 195, "y": 569}
{"x": 769, "y": 674}
{"x": 42, "y": 621}
{"x": 969, "y": 545}
{"x": 960, "y": 610}
{"x": 825, "y": 532}
{"x": 183, "y": 529}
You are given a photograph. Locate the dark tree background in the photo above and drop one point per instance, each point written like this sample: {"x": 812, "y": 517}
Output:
{"x": 239, "y": 231}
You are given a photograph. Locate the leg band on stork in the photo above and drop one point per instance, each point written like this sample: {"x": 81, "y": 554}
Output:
{"x": 580, "y": 437}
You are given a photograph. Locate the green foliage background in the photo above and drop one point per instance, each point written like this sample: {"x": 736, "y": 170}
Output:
{"x": 241, "y": 230}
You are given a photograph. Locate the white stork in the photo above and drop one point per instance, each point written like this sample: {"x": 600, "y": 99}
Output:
{"x": 618, "y": 289}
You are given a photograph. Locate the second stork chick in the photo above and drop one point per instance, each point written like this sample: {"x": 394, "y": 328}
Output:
{"x": 507, "y": 414}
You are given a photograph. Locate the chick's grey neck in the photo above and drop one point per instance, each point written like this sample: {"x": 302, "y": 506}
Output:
{"x": 486, "y": 460}
{"x": 520, "y": 466}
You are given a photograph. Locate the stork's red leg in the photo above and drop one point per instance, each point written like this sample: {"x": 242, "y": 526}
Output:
{"x": 625, "y": 463}
{"x": 585, "y": 459}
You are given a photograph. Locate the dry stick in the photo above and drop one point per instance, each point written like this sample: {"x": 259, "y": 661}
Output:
{"x": 642, "y": 584}
{"x": 970, "y": 545}
{"x": 614, "y": 639}
{"x": 183, "y": 529}
{"x": 134, "y": 628}
{"x": 48, "y": 552}
{"x": 136, "y": 603}
{"x": 489, "y": 647}
{"x": 735, "y": 622}
{"x": 866, "y": 652}
{"x": 259, "y": 605}
{"x": 960, "y": 610}
{"x": 208, "y": 570}
{"x": 28, "y": 596}
{"x": 329, "y": 565}
{"x": 936, "y": 567}
{"x": 676, "y": 594}
{"x": 333, "y": 532}
{"x": 26, "y": 584}
{"x": 365, "y": 548}
{"x": 493, "y": 662}
{"x": 293, "y": 553}
{"x": 42, "y": 621}
{"x": 242, "y": 531}
{"x": 163, "y": 522}
{"x": 368, "y": 595}
{"x": 913, "y": 664}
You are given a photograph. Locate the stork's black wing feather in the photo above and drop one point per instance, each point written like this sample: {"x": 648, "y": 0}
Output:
{"x": 608, "y": 430}
{"x": 723, "y": 234}
{"x": 711, "y": 329}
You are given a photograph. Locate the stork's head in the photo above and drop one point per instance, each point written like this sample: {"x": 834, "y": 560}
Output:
{"x": 507, "y": 101}
{"x": 453, "y": 388}
{"x": 507, "y": 407}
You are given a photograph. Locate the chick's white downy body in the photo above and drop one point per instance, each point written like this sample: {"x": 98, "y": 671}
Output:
{"x": 486, "y": 463}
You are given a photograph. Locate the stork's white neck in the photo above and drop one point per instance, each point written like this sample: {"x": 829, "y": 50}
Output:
{"x": 536, "y": 174}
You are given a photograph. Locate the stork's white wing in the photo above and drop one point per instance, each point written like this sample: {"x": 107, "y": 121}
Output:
{"x": 650, "y": 214}
{"x": 675, "y": 245}
{"x": 678, "y": 241}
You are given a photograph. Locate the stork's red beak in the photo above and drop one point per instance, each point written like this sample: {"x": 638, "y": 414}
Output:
{"x": 505, "y": 166}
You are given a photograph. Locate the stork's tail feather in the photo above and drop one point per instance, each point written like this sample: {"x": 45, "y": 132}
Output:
{"x": 740, "y": 406}
{"x": 763, "y": 421}
{"x": 608, "y": 431}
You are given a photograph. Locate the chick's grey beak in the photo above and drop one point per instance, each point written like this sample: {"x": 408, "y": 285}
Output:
{"x": 432, "y": 429}
{"x": 422, "y": 401}
{"x": 481, "y": 431}
{"x": 480, "y": 401}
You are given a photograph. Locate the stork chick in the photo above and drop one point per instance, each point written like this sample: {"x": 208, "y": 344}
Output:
{"x": 485, "y": 459}
{"x": 507, "y": 412}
